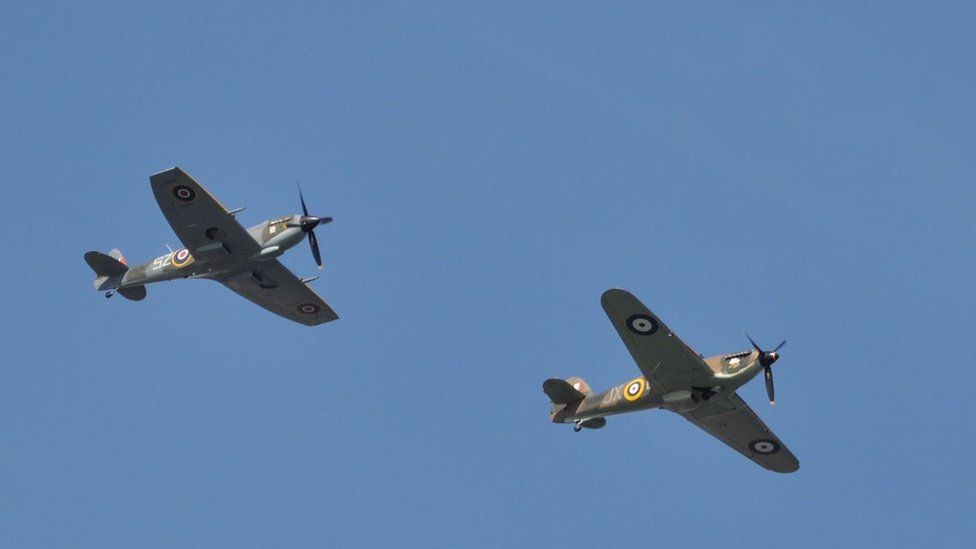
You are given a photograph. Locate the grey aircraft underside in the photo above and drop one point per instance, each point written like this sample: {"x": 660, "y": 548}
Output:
{"x": 675, "y": 378}
{"x": 217, "y": 247}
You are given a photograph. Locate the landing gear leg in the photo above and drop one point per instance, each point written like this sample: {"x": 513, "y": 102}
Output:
{"x": 578, "y": 427}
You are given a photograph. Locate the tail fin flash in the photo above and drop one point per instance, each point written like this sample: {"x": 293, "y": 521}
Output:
{"x": 580, "y": 385}
{"x": 117, "y": 255}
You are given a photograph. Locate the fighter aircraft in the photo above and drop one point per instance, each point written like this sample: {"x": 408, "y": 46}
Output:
{"x": 218, "y": 248}
{"x": 702, "y": 390}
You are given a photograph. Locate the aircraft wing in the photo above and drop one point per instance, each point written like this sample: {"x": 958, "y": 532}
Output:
{"x": 272, "y": 286}
{"x": 199, "y": 220}
{"x": 664, "y": 359}
{"x": 729, "y": 419}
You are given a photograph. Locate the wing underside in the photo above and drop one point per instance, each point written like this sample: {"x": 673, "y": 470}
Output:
{"x": 662, "y": 357}
{"x": 670, "y": 365}
{"x": 729, "y": 419}
{"x": 278, "y": 290}
{"x": 200, "y": 221}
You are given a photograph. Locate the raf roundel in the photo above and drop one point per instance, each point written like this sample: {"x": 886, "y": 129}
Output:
{"x": 764, "y": 446}
{"x": 635, "y": 389}
{"x": 308, "y": 309}
{"x": 182, "y": 258}
{"x": 642, "y": 324}
{"x": 184, "y": 193}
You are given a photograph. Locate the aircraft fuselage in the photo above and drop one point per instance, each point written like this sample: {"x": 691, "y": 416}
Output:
{"x": 729, "y": 373}
{"x": 275, "y": 237}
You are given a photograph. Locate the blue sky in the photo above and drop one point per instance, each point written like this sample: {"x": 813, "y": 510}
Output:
{"x": 797, "y": 171}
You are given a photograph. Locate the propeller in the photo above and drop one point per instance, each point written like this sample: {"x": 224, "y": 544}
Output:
{"x": 308, "y": 223}
{"x": 766, "y": 360}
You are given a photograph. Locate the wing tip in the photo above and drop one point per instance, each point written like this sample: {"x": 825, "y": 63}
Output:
{"x": 791, "y": 468}
{"x": 167, "y": 174}
{"x": 321, "y": 321}
{"x": 611, "y": 292}
{"x": 790, "y": 465}
{"x": 617, "y": 296}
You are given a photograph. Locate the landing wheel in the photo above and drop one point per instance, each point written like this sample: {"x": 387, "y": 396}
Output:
{"x": 578, "y": 427}
{"x": 109, "y": 294}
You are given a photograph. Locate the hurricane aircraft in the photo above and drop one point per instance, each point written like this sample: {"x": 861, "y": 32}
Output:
{"x": 217, "y": 247}
{"x": 675, "y": 378}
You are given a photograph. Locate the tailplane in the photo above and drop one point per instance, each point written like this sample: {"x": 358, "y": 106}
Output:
{"x": 566, "y": 396}
{"x": 109, "y": 270}
{"x": 108, "y": 265}
{"x": 133, "y": 293}
{"x": 561, "y": 391}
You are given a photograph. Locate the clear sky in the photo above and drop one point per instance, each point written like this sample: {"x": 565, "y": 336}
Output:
{"x": 798, "y": 171}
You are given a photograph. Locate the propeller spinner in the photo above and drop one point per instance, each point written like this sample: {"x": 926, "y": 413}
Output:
{"x": 766, "y": 360}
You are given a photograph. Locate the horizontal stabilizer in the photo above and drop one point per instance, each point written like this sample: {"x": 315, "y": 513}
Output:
{"x": 561, "y": 392}
{"x": 133, "y": 293}
{"x": 103, "y": 264}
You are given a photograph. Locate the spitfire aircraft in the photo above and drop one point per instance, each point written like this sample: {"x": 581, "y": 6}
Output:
{"x": 675, "y": 378}
{"x": 217, "y": 247}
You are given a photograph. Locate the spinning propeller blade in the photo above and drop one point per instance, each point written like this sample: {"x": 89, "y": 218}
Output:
{"x": 308, "y": 224}
{"x": 302, "y": 198}
{"x": 766, "y": 360}
{"x": 768, "y": 374}
{"x": 315, "y": 248}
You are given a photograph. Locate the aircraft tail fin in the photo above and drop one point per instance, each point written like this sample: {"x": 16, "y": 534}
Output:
{"x": 566, "y": 396}
{"x": 116, "y": 254}
{"x": 580, "y": 385}
{"x": 109, "y": 269}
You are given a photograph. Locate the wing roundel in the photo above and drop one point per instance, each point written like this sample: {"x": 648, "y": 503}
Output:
{"x": 665, "y": 360}
{"x": 200, "y": 221}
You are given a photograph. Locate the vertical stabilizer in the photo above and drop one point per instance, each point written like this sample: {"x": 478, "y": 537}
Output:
{"x": 580, "y": 385}
{"x": 117, "y": 255}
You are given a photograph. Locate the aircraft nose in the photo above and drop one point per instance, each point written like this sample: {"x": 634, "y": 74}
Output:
{"x": 309, "y": 222}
